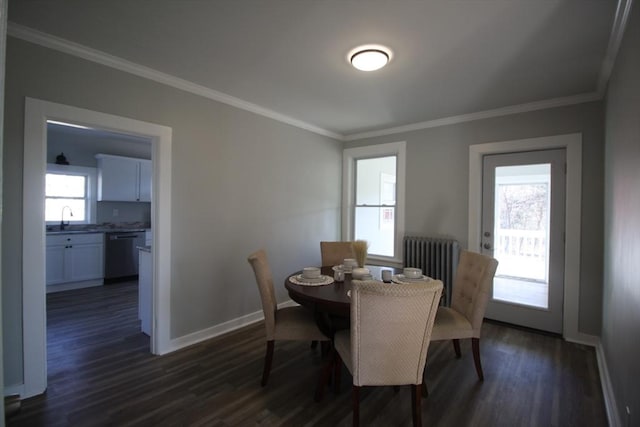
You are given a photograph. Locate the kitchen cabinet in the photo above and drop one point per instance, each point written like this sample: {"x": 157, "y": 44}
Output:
{"x": 123, "y": 179}
{"x": 145, "y": 282}
{"x": 74, "y": 258}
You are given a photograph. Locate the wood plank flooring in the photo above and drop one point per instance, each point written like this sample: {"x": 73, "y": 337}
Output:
{"x": 101, "y": 374}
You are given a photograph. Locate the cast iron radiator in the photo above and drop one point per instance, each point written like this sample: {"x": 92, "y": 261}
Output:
{"x": 438, "y": 258}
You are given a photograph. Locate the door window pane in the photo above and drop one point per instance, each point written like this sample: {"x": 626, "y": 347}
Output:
{"x": 521, "y": 234}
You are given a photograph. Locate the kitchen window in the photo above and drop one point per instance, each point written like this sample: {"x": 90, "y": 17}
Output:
{"x": 70, "y": 194}
{"x": 373, "y": 198}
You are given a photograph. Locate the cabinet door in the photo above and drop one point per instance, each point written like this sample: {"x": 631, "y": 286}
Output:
{"x": 55, "y": 265}
{"x": 118, "y": 179}
{"x": 145, "y": 181}
{"x": 86, "y": 262}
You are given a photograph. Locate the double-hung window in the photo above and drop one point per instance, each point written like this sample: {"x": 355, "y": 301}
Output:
{"x": 373, "y": 201}
{"x": 70, "y": 194}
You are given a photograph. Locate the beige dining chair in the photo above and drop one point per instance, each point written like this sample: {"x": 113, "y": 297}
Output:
{"x": 289, "y": 323}
{"x": 388, "y": 339}
{"x": 333, "y": 253}
{"x": 470, "y": 294}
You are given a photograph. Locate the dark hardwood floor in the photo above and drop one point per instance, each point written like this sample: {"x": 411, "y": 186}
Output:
{"x": 101, "y": 374}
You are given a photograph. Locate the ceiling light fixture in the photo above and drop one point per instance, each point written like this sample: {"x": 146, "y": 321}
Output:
{"x": 369, "y": 57}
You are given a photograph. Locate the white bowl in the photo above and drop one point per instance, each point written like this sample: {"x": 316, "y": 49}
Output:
{"x": 359, "y": 273}
{"x": 412, "y": 273}
{"x": 311, "y": 272}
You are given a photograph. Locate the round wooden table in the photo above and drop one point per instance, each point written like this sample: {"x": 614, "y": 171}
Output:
{"x": 329, "y": 299}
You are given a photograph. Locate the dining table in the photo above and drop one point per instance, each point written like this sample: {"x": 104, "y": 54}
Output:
{"x": 330, "y": 303}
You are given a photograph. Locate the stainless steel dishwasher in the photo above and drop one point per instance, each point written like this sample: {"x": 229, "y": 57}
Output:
{"x": 120, "y": 254}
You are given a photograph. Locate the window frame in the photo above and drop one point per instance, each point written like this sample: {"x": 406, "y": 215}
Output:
{"x": 91, "y": 175}
{"x": 349, "y": 158}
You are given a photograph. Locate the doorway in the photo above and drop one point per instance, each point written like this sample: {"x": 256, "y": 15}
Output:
{"x": 572, "y": 144}
{"x": 523, "y": 217}
{"x": 37, "y": 112}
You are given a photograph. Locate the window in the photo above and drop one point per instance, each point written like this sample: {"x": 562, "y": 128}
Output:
{"x": 70, "y": 191}
{"x": 373, "y": 205}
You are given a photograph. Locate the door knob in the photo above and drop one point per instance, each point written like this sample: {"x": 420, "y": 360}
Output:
{"x": 487, "y": 234}
{"x": 487, "y": 246}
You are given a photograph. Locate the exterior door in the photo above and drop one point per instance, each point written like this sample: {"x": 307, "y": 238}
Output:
{"x": 523, "y": 210}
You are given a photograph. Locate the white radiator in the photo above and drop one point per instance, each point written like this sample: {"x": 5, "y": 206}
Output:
{"x": 438, "y": 258}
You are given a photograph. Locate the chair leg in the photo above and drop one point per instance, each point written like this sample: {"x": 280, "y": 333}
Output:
{"x": 475, "y": 346}
{"x": 456, "y": 348}
{"x": 425, "y": 390}
{"x": 416, "y": 404}
{"x": 337, "y": 360}
{"x": 356, "y": 405}
{"x": 314, "y": 344}
{"x": 268, "y": 358}
{"x": 325, "y": 376}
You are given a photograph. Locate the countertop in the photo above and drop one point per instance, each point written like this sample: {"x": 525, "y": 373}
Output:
{"x": 97, "y": 228}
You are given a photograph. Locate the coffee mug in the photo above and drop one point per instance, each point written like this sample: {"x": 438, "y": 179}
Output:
{"x": 386, "y": 276}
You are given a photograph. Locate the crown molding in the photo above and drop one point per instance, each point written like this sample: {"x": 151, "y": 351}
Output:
{"x": 486, "y": 114}
{"x": 100, "y": 57}
{"x": 615, "y": 39}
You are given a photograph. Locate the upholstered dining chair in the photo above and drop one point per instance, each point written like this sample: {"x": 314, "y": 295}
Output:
{"x": 470, "y": 294}
{"x": 388, "y": 339}
{"x": 333, "y": 253}
{"x": 289, "y": 323}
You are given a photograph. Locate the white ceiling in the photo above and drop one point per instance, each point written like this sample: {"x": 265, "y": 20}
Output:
{"x": 451, "y": 57}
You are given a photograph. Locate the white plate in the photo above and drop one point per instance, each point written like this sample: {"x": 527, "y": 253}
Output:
{"x": 301, "y": 278}
{"x": 400, "y": 278}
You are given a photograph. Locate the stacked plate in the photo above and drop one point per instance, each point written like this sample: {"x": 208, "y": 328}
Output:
{"x": 410, "y": 275}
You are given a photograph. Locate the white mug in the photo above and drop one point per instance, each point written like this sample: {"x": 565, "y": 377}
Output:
{"x": 386, "y": 275}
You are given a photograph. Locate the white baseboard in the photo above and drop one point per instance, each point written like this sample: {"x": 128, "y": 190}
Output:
{"x": 585, "y": 339}
{"x": 613, "y": 416}
{"x": 220, "y": 329}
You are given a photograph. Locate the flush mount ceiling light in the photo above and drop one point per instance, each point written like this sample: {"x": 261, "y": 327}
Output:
{"x": 369, "y": 57}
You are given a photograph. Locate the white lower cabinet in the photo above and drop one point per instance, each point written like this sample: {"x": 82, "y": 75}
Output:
{"x": 74, "y": 258}
{"x": 145, "y": 283}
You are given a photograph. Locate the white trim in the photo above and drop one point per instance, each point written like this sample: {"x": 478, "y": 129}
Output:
{"x": 615, "y": 39}
{"x": 398, "y": 149}
{"x": 222, "y": 328}
{"x": 487, "y": 114}
{"x": 14, "y": 389}
{"x": 97, "y": 56}
{"x": 573, "y": 145}
{"x": 33, "y": 232}
{"x": 613, "y": 415}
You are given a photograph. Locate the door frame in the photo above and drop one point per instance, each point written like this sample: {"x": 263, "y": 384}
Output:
{"x": 572, "y": 143}
{"x": 37, "y": 112}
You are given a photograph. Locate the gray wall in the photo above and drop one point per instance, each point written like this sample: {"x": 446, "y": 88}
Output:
{"x": 621, "y": 296}
{"x": 438, "y": 182}
{"x": 240, "y": 182}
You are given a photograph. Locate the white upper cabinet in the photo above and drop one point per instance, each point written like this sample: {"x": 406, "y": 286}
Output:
{"x": 123, "y": 179}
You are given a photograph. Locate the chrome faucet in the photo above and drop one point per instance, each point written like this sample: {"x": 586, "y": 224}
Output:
{"x": 62, "y": 223}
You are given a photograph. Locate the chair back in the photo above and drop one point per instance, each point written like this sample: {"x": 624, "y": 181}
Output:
{"x": 391, "y": 328}
{"x": 472, "y": 286}
{"x": 260, "y": 264}
{"x": 333, "y": 253}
